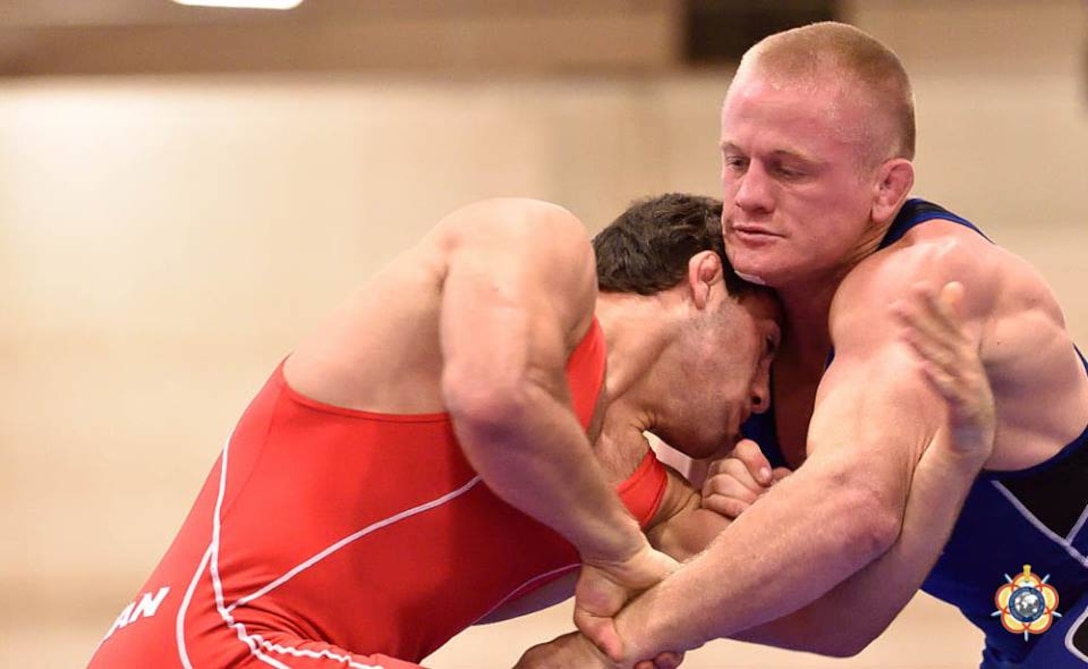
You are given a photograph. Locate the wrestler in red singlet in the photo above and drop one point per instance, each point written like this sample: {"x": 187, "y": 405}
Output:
{"x": 328, "y": 537}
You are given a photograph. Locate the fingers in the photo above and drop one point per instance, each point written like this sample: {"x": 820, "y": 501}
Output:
{"x": 950, "y": 301}
{"x": 736, "y": 482}
{"x": 759, "y": 468}
{"x": 601, "y": 632}
{"x": 569, "y": 650}
{"x": 934, "y": 329}
{"x": 746, "y": 465}
{"x": 666, "y": 660}
{"x": 725, "y": 496}
{"x": 603, "y": 589}
{"x": 597, "y": 598}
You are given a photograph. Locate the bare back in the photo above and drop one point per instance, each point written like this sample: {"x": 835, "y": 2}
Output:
{"x": 383, "y": 349}
{"x": 380, "y": 351}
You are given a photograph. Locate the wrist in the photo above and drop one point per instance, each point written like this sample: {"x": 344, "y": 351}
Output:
{"x": 622, "y": 546}
{"x": 644, "y": 631}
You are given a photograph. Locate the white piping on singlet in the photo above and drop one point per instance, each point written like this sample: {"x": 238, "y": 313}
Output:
{"x": 1065, "y": 542}
{"x": 1079, "y": 525}
{"x": 510, "y": 595}
{"x": 1049, "y": 533}
{"x": 253, "y": 641}
{"x": 213, "y": 570}
{"x": 427, "y": 506}
{"x": 179, "y": 622}
{"x": 1073, "y": 630}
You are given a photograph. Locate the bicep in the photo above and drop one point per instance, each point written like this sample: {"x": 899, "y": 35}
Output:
{"x": 874, "y": 410}
{"x": 874, "y": 414}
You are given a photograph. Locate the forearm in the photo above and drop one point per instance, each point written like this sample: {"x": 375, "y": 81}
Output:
{"x": 877, "y": 594}
{"x": 536, "y": 456}
{"x": 689, "y": 532}
{"x": 753, "y": 573}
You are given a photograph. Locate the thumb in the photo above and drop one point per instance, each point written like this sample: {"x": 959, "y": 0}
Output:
{"x": 950, "y": 300}
{"x": 601, "y": 632}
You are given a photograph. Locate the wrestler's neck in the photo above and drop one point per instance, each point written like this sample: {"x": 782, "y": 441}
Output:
{"x": 806, "y": 300}
{"x": 806, "y": 306}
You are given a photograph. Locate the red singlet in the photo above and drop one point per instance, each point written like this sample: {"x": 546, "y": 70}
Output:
{"x": 330, "y": 537}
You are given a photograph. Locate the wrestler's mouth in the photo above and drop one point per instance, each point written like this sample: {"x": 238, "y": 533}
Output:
{"x": 752, "y": 235}
{"x": 752, "y": 231}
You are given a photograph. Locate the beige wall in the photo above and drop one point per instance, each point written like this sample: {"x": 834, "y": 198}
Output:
{"x": 164, "y": 241}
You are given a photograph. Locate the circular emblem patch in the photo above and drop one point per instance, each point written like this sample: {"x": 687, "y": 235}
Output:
{"x": 1026, "y": 603}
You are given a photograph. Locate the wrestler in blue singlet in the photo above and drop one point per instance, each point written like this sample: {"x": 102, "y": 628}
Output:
{"x": 1036, "y": 516}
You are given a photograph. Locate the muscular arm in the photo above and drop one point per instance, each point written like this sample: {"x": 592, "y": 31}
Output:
{"x": 518, "y": 294}
{"x": 944, "y": 476}
{"x": 680, "y": 528}
{"x": 876, "y": 594}
{"x": 873, "y": 417}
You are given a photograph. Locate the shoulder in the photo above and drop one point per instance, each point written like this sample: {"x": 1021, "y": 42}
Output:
{"x": 539, "y": 242}
{"x": 520, "y": 251}
{"x": 513, "y": 220}
{"x": 931, "y": 254}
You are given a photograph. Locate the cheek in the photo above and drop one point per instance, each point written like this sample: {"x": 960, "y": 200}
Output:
{"x": 732, "y": 384}
{"x": 749, "y": 368}
{"x": 844, "y": 200}
{"x": 728, "y": 194}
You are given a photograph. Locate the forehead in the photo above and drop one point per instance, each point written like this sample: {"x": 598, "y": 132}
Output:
{"x": 782, "y": 114}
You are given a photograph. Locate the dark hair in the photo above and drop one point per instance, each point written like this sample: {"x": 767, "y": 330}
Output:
{"x": 647, "y": 248}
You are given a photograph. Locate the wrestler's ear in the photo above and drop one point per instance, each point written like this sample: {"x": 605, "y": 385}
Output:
{"x": 704, "y": 273}
{"x": 895, "y": 178}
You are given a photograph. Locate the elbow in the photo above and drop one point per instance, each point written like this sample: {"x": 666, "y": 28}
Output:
{"x": 873, "y": 519}
{"x": 832, "y": 638}
{"x": 848, "y": 643}
{"x": 879, "y": 532}
{"x": 811, "y": 631}
{"x": 843, "y": 648}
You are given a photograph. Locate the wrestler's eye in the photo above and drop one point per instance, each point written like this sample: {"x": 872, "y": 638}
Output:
{"x": 772, "y": 346}
{"x": 734, "y": 162}
{"x": 772, "y": 341}
{"x": 787, "y": 172}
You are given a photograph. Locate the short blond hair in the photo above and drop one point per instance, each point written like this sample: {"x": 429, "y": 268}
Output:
{"x": 866, "y": 69}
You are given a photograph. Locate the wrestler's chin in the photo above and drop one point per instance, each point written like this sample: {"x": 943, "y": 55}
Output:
{"x": 741, "y": 259}
{"x": 751, "y": 278}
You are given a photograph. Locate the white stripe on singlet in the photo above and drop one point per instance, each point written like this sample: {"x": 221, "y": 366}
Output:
{"x": 179, "y": 622}
{"x": 306, "y": 564}
{"x": 1072, "y": 632}
{"x": 1043, "y": 529}
{"x": 254, "y": 642}
{"x": 1072, "y": 536}
{"x": 516, "y": 592}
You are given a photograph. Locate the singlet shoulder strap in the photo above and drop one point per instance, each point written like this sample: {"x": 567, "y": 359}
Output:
{"x": 916, "y": 211}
